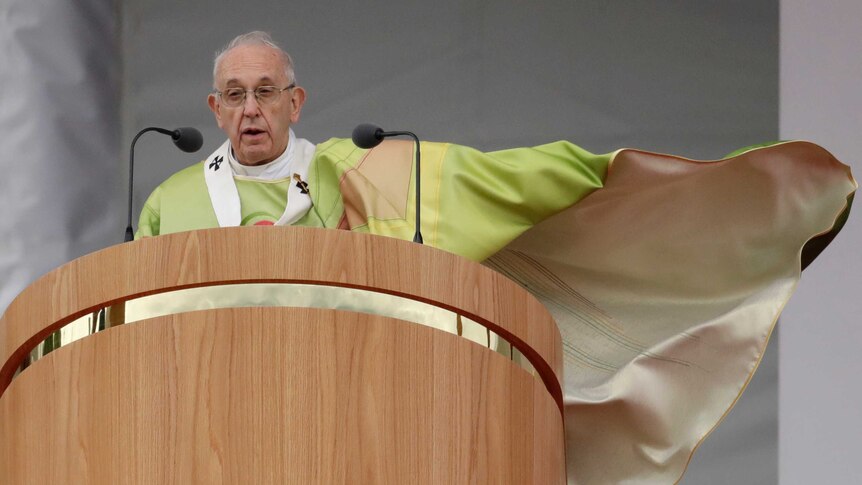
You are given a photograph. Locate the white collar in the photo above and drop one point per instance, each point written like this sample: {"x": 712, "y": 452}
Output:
{"x": 274, "y": 170}
{"x": 219, "y": 178}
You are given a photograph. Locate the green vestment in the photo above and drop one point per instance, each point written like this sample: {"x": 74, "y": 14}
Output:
{"x": 473, "y": 203}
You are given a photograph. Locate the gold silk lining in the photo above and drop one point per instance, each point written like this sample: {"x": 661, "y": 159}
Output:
{"x": 390, "y": 166}
{"x": 666, "y": 285}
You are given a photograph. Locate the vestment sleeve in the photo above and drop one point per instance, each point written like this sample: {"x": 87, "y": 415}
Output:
{"x": 472, "y": 203}
{"x": 150, "y": 219}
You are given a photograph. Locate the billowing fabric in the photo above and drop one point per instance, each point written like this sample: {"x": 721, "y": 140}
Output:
{"x": 665, "y": 283}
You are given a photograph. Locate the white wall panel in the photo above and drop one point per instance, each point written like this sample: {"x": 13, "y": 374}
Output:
{"x": 820, "y": 393}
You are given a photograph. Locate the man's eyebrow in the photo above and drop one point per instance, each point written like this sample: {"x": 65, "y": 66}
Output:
{"x": 263, "y": 79}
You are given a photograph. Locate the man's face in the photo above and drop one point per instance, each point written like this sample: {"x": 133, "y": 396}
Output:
{"x": 258, "y": 132}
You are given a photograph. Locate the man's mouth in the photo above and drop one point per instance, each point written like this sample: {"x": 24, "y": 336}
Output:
{"x": 253, "y": 132}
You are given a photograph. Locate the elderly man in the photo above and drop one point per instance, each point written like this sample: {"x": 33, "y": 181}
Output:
{"x": 665, "y": 281}
{"x": 249, "y": 179}
{"x": 263, "y": 174}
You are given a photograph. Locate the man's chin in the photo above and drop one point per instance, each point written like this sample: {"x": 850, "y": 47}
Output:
{"x": 254, "y": 156}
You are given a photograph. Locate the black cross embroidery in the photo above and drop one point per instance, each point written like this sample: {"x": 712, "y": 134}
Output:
{"x": 216, "y": 162}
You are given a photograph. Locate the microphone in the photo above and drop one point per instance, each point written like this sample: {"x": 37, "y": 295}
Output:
{"x": 187, "y": 139}
{"x": 368, "y": 135}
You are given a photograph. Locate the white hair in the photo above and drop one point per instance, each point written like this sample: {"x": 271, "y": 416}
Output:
{"x": 256, "y": 37}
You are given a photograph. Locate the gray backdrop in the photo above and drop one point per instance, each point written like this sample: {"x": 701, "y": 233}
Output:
{"x": 681, "y": 77}
{"x": 695, "y": 79}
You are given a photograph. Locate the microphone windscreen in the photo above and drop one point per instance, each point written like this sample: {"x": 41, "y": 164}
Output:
{"x": 188, "y": 139}
{"x": 367, "y": 135}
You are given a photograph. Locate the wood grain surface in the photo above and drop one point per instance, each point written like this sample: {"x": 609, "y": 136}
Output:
{"x": 276, "y": 395}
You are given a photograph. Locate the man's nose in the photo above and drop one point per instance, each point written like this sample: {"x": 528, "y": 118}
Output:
{"x": 250, "y": 106}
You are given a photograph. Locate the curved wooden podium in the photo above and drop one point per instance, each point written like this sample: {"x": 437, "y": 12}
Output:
{"x": 267, "y": 393}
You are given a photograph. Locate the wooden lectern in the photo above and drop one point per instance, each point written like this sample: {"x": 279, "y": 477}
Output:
{"x": 243, "y": 383}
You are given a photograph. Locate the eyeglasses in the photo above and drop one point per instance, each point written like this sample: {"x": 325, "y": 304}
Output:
{"x": 235, "y": 97}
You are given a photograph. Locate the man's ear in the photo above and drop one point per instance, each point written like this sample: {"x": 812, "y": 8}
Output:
{"x": 297, "y": 99}
{"x": 213, "y": 103}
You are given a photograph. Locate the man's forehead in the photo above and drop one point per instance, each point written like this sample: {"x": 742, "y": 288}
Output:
{"x": 251, "y": 64}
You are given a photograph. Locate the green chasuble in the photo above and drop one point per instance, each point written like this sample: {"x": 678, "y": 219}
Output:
{"x": 665, "y": 275}
{"x": 262, "y": 202}
{"x": 473, "y": 203}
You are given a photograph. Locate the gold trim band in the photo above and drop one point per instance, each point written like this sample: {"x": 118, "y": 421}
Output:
{"x": 278, "y": 295}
